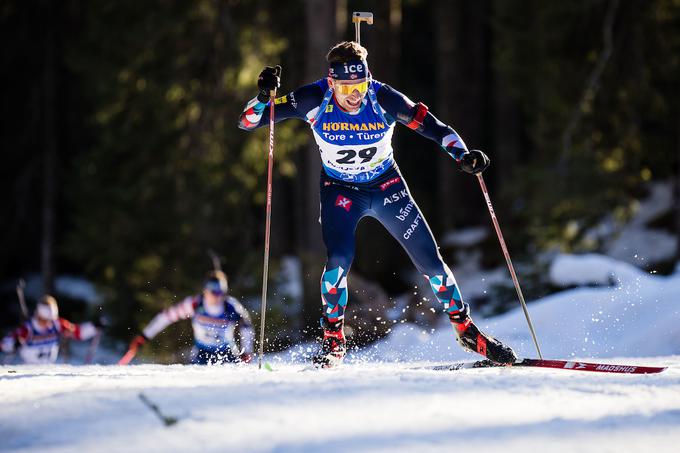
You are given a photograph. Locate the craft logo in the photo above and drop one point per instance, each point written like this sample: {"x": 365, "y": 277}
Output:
{"x": 329, "y": 109}
{"x": 353, "y": 126}
{"x": 344, "y": 203}
{"x": 281, "y": 100}
{"x": 412, "y": 228}
{"x": 388, "y": 183}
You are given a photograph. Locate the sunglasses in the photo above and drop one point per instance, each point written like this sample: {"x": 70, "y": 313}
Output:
{"x": 349, "y": 88}
{"x": 214, "y": 288}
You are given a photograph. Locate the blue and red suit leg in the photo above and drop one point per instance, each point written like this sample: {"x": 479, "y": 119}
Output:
{"x": 394, "y": 207}
{"x": 341, "y": 209}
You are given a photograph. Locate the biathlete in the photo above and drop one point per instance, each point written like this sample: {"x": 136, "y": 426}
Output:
{"x": 37, "y": 339}
{"x": 215, "y": 316}
{"x": 352, "y": 117}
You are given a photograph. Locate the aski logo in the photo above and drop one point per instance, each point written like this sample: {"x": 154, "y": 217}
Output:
{"x": 395, "y": 197}
{"x": 344, "y": 203}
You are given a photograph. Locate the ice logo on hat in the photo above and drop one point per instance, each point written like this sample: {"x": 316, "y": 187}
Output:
{"x": 350, "y": 70}
{"x": 353, "y": 68}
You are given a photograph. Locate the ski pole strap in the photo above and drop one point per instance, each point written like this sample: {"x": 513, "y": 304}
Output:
{"x": 374, "y": 103}
{"x": 418, "y": 118}
{"x": 322, "y": 107}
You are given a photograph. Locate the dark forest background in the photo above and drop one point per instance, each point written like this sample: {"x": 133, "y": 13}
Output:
{"x": 120, "y": 159}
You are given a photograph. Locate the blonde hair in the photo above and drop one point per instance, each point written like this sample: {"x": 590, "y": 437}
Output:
{"x": 47, "y": 308}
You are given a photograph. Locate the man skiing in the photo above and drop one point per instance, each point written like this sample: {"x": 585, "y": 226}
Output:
{"x": 215, "y": 315}
{"x": 352, "y": 117}
{"x": 37, "y": 339}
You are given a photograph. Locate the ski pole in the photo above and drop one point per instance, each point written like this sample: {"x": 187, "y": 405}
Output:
{"x": 216, "y": 261}
{"x": 267, "y": 228}
{"x": 22, "y": 299}
{"x": 92, "y": 350}
{"x": 508, "y": 260}
{"x": 127, "y": 358}
{"x": 357, "y": 18}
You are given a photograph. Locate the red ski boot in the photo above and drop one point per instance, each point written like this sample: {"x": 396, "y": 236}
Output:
{"x": 333, "y": 345}
{"x": 472, "y": 339}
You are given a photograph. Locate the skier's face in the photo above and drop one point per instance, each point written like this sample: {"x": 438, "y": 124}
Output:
{"x": 349, "y": 93}
{"x": 42, "y": 322}
{"x": 212, "y": 297}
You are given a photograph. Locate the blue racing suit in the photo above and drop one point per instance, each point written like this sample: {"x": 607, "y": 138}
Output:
{"x": 360, "y": 178}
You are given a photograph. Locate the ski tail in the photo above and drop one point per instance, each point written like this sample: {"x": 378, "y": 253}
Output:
{"x": 585, "y": 366}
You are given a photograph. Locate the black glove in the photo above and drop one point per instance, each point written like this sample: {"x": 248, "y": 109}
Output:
{"x": 474, "y": 161}
{"x": 269, "y": 79}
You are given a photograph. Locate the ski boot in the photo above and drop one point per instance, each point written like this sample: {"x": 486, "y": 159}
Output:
{"x": 333, "y": 345}
{"x": 470, "y": 338}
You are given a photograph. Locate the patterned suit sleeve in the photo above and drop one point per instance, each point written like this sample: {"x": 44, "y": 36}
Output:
{"x": 296, "y": 104}
{"x": 182, "y": 310}
{"x": 417, "y": 117}
{"x": 245, "y": 325}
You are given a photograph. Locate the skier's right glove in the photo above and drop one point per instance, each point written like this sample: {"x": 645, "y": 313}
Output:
{"x": 269, "y": 79}
{"x": 474, "y": 161}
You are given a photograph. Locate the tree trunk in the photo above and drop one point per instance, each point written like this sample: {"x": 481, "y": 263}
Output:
{"x": 506, "y": 129}
{"x": 49, "y": 152}
{"x": 677, "y": 188}
{"x": 463, "y": 83}
{"x": 321, "y": 35}
{"x": 383, "y": 40}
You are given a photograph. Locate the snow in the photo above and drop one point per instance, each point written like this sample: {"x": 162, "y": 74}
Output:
{"x": 364, "y": 407}
{"x": 378, "y": 402}
{"x": 639, "y": 244}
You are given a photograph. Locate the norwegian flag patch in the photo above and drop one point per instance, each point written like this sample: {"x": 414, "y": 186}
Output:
{"x": 343, "y": 202}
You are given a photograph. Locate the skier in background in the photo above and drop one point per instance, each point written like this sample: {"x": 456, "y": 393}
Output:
{"x": 214, "y": 315}
{"x": 37, "y": 339}
{"x": 352, "y": 117}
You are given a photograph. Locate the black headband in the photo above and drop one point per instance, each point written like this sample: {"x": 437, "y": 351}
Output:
{"x": 351, "y": 70}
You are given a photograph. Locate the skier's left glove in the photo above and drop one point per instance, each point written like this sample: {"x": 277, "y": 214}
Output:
{"x": 474, "y": 161}
{"x": 246, "y": 357}
{"x": 268, "y": 80}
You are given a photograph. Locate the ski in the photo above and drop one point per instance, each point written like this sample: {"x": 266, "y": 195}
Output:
{"x": 558, "y": 364}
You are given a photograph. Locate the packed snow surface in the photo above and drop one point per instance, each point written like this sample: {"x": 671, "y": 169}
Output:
{"x": 363, "y": 407}
{"x": 380, "y": 401}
